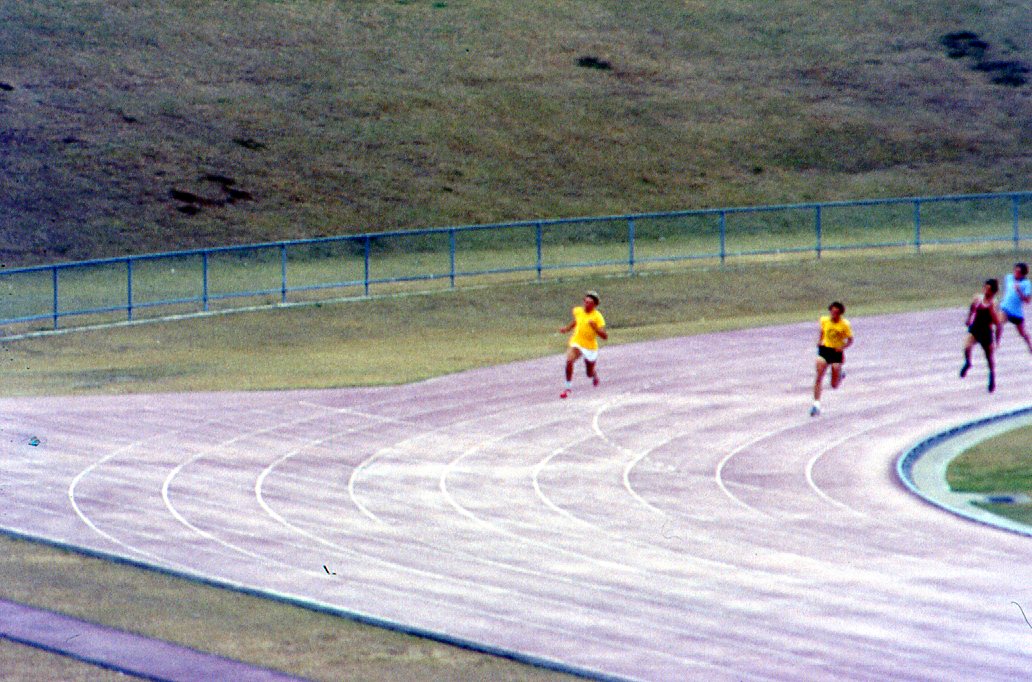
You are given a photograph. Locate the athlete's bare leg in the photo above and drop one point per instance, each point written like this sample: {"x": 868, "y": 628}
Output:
{"x": 836, "y": 375}
{"x": 1024, "y": 334}
{"x": 572, "y": 355}
{"x": 591, "y": 369}
{"x": 990, "y": 357}
{"x": 822, "y": 367}
{"x": 969, "y": 343}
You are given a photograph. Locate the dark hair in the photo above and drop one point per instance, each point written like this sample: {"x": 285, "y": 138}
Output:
{"x": 593, "y": 296}
{"x": 1023, "y": 267}
{"x": 994, "y": 284}
{"x": 836, "y": 304}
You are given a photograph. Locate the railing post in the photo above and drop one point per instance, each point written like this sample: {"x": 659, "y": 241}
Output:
{"x": 451, "y": 257}
{"x": 56, "y": 313}
{"x": 917, "y": 225}
{"x": 1016, "y": 212}
{"x": 723, "y": 236}
{"x": 537, "y": 239}
{"x": 818, "y": 228}
{"x": 204, "y": 280}
{"x": 283, "y": 273}
{"x": 630, "y": 246}
{"x": 129, "y": 288}
{"x": 368, "y": 248}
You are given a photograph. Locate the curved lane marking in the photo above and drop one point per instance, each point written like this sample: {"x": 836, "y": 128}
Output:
{"x": 831, "y": 446}
{"x": 167, "y": 483}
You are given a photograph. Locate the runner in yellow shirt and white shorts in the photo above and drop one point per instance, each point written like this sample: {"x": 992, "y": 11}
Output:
{"x": 588, "y": 326}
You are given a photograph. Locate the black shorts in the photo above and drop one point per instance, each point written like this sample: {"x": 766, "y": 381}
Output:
{"x": 830, "y": 355}
{"x": 983, "y": 336}
{"x": 1014, "y": 319}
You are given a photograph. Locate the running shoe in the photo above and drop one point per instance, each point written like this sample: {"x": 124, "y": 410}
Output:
{"x": 964, "y": 369}
{"x": 565, "y": 394}
{"x": 992, "y": 383}
{"x": 815, "y": 411}
{"x": 594, "y": 381}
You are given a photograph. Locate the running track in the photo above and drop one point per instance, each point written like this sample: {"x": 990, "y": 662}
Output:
{"x": 685, "y": 520}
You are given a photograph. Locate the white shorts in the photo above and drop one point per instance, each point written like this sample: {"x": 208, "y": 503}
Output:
{"x": 589, "y": 355}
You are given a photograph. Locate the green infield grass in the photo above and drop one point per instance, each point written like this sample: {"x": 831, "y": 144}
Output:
{"x": 1000, "y": 465}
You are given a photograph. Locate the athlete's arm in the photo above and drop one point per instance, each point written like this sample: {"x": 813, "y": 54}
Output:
{"x": 849, "y": 342}
{"x": 998, "y": 320}
{"x": 601, "y": 331}
{"x": 568, "y": 328}
{"x": 1025, "y": 298}
{"x": 971, "y": 311}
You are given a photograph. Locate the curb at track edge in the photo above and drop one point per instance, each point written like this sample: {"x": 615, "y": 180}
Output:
{"x": 905, "y": 464}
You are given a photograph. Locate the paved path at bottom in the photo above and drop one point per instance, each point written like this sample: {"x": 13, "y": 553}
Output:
{"x": 128, "y": 653}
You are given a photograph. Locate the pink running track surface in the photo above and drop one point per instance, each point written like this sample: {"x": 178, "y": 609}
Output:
{"x": 687, "y": 519}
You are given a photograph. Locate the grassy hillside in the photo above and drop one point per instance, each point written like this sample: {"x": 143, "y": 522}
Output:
{"x": 128, "y": 126}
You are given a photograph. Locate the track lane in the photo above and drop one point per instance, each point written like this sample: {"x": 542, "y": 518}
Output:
{"x": 685, "y": 519}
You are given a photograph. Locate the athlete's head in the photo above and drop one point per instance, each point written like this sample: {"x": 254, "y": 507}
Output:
{"x": 991, "y": 286}
{"x": 837, "y": 310}
{"x": 591, "y": 300}
{"x": 1020, "y": 270}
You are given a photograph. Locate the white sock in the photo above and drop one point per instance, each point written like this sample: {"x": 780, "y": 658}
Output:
{"x": 817, "y": 404}
{"x": 569, "y": 385}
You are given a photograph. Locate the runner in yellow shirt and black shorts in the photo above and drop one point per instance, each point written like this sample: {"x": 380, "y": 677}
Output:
{"x": 836, "y": 336}
{"x": 588, "y": 326}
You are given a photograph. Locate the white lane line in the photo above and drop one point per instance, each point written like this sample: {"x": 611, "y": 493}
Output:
{"x": 260, "y": 482}
{"x": 73, "y": 486}
{"x": 503, "y": 591}
{"x": 634, "y": 458}
{"x": 166, "y": 485}
{"x": 82, "y": 515}
{"x": 494, "y": 527}
{"x": 398, "y": 447}
{"x": 719, "y": 473}
{"x": 365, "y": 464}
{"x": 831, "y": 446}
{"x": 359, "y": 413}
{"x": 536, "y": 473}
{"x": 259, "y": 493}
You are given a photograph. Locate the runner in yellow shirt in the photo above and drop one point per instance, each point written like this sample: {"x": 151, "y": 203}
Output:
{"x": 587, "y": 326}
{"x": 836, "y": 336}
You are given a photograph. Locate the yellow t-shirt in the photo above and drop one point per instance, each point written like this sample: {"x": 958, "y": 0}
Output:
{"x": 583, "y": 335}
{"x": 835, "y": 334}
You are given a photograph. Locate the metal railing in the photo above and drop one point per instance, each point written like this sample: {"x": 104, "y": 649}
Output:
{"x": 200, "y": 280}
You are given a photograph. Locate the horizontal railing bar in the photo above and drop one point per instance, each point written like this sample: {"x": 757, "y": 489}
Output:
{"x": 496, "y": 271}
{"x": 170, "y": 301}
{"x": 327, "y": 285}
{"x": 32, "y": 318}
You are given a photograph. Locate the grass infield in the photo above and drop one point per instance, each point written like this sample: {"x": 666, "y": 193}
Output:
{"x": 998, "y": 465}
{"x": 369, "y": 342}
